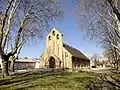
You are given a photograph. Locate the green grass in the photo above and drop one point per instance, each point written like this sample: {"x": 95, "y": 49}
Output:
{"x": 48, "y": 81}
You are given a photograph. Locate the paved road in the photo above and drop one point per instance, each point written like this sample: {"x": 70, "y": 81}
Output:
{"x": 101, "y": 70}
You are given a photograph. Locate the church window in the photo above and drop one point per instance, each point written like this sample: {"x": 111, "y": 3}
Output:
{"x": 62, "y": 56}
{"x": 53, "y": 32}
{"x": 66, "y": 55}
{"x": 49, "y": 37}
{"x": 53, "y": 45}
{"x": 57, "y": 36}
{"x": 58, "y": 49}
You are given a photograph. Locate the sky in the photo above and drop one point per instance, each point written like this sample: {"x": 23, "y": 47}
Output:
{"x": 72, "y": 34}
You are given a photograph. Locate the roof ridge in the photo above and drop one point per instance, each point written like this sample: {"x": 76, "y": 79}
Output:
{"x": 71, "y": 46}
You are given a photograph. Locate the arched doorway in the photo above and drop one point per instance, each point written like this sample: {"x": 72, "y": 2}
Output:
{"x": 52, "y": 62}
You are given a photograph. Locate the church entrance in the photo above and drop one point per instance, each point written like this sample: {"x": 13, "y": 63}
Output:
{"x": 52, "y": 62}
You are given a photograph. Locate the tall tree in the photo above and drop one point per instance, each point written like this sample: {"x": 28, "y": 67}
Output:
{"x": 101, "y": 22}
{"x": 23, "y": 20}
{"x": 95, "y": 58}
{"x": 111, "y": 54}
{"x": 115, "y": 5}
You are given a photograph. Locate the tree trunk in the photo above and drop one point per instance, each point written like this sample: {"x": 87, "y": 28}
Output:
{"x": 114, "y": 65}
{"x": 5, "y": 59}
{"x": 12, "y": 65}
{"x": 117, "y": 64}
{"x": 5, "y": 68}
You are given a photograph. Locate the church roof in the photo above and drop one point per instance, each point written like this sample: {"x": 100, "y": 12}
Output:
{"x": 75, "y": 52}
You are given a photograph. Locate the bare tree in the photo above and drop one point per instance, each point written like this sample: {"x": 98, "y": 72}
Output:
{"x": 109, "y": 53}
{"x": 95, "y": 58}
{"x": 101, "y": 22}
{"x": 115, "y": 5}
{"x": 23, "y": 20}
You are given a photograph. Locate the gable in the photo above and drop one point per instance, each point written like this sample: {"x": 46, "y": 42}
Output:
{"x": 54, "y": 30}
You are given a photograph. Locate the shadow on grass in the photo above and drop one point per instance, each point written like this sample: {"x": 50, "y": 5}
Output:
{"x": 103, "y": 84}
{"x": 62, "y": 79}
{"x": 85, "y": 80}
{"x": 24, "y": 78}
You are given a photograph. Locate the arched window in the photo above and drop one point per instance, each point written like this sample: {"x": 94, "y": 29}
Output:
{"x": 49, "y": 37}
{"x": 58, "y": 49}
{"x": 57, "y": 36}
{"x": 53, "y": 32}
{"x": 53, "y": 45}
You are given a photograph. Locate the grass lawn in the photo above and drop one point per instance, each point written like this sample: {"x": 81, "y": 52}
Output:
{"x": 48, "y": 81}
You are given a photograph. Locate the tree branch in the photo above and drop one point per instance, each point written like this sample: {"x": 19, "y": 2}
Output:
{"x": 9, "y": 22}
{"x": 114, "y": 8}
{"x": 20, "y": 47}
{"x": 17, "y": 40}
{"x": 3, "y": 22}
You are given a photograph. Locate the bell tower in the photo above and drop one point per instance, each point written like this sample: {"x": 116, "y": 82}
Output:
{"x": 54, "y": 43}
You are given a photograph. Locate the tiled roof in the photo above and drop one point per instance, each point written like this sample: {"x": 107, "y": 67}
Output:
{"x": 75, "y": 52}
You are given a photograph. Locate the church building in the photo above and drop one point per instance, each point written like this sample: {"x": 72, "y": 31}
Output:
{"x": 60, "y": 55}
